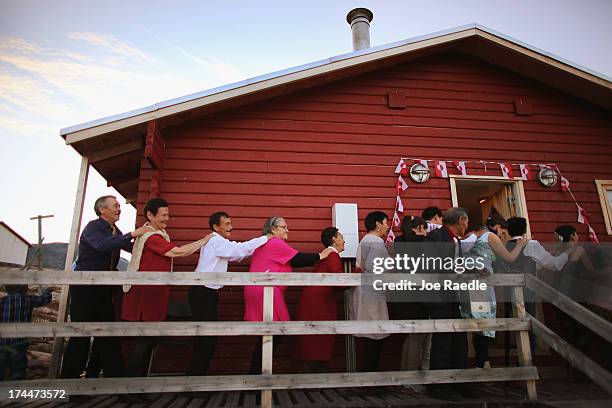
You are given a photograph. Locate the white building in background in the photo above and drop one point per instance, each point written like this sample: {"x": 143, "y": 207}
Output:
{"x": 13, "y": 247}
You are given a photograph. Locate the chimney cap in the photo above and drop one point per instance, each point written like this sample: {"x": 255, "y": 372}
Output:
{"x": 359, "y": 12}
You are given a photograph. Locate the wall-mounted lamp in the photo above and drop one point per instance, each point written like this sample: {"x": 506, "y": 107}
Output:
{"x": 548, "y": 177}
{"x": 419, "y": 173}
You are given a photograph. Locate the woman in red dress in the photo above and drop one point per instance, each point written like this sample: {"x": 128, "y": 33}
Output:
{"x": 152, "y": 252}
{"x": 319, "y": 303}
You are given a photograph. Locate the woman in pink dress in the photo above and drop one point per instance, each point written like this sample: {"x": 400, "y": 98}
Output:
{"x": 274, "y": 256}
{"x": 319, "y": 303}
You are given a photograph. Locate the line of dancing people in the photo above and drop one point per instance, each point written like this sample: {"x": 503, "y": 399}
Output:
{"x": 152, "y": 250}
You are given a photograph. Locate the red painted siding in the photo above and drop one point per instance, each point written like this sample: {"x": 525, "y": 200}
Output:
{"x": 299, "y": 154}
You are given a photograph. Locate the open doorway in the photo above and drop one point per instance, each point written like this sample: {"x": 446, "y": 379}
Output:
{"x": 483, "y": 197}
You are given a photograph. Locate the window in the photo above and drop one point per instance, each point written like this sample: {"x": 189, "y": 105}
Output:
{"x": 604, "y": 188}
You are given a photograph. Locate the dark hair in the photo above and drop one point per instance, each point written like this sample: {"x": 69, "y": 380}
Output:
{"x": 516, "y": 226}
{"x": 372, "y": 218}
{"x": 565, "y": 232}
{"x": 153, "y": 205}
{"x": 101, "y": 203}
{"x": 496, "y": 219}
{"x": 215, "y": 219}
{"x": 431, "y": 212}
{"x": 409, "y": 222}
{"x": 327, "y": 234}
{"x": 13, "y": 289}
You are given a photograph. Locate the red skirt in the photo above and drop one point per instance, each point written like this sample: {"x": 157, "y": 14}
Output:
{"x": 316, "y": 303}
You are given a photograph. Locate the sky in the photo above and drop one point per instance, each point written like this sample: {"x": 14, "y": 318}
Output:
{"x": 65, "y": 62}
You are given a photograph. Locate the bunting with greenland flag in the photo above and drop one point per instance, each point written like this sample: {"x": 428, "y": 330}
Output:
{"x": 506, "y": 170}
{"x": 401, "y": 168}
{"x": 461, "y": 167}
{"x": 441, "y": 170}
{"x": 526, "y": 173}
{"x": 401, "y": 184}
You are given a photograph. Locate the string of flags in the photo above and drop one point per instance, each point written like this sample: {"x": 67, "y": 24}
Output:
{"x": 442, "y": 171}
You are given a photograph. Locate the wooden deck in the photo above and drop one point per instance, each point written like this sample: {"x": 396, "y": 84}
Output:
{"x": 561, "y": 393}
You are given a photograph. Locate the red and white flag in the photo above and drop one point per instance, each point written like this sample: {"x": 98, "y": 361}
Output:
{"x": 401, "y": 184}
{"x": 526, "y": 172}
{"x": 583, "y": 217}
{"x": 506, "y": 170}
{"x": 423, "y": 162}
{"x": 564, "y": 184}
{"x": 399, "y": 205}
{"x": 461, "y": 167}
{"x": 396, "y": 219}
{"x": 441, "y": 170}
{"x": 390, "y": 237}
{"x": 592, "y": 235}
{"x": 401, "y": 167}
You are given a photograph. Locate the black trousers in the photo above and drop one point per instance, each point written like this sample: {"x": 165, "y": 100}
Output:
{"x": 257, "y": 353}
{"x": 371, "y": 354}
{"x": 481, "y": 347}
{"x": 204, "y": 305}
{"x": 92, "y": 304}
{"x": 448, "y": 350}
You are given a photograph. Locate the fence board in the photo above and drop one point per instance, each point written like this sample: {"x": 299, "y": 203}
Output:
{"x": 594, "y": 322}
{"x": 106, "y": 386}
{"x": 236, "y": 328}
{"x": 14, "y": 276}
{"x": 598, "y": 374}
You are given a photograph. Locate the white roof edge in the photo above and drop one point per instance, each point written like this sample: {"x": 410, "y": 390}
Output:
{"x": 249, "y": 81}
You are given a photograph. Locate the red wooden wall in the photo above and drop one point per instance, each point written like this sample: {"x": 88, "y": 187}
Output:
{"x": 297, "y": 155}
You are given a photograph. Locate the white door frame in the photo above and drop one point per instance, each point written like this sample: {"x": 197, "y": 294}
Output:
{"x": 517, "y": 190}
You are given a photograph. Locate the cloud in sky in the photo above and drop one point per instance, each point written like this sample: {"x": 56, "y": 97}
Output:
{"x": 45, "y": 88}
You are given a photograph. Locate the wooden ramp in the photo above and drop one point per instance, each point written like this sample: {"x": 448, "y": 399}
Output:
{"x": 558, "y": 393}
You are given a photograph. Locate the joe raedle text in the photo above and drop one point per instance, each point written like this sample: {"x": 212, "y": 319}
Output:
{"x": 446, "y": 284}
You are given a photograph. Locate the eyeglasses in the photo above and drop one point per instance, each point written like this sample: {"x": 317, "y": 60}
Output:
{"x": 283, "y": 227}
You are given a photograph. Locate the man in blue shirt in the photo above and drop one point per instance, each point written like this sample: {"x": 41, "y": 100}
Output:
{"x": 17, "y": 307}
{"x": 99, "y": 248}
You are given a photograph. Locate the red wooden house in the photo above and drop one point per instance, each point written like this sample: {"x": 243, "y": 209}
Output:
{"x": 294, "y": 142}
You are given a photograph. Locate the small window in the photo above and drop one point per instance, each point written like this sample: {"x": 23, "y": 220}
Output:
{"x": 604, "y": 188}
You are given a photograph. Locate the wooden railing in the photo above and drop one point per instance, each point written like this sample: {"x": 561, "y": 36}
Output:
{"x": 266, "y": 382}
{"x": 595, "y": 323}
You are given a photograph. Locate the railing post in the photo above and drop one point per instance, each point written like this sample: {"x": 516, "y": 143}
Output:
{"x": 522, "y": 340}
{"x": 62, "y": 313}
{"x": 267, "y": 344}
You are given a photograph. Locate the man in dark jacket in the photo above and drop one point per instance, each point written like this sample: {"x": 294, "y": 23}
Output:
{"x": 99, "y": 248}
{"x": 448, "y": 350}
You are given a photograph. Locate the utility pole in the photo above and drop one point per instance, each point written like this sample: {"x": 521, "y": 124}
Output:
{"x": 40, "y": 238}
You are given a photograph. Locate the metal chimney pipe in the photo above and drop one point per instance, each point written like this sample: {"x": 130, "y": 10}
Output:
{"x": 359, "y": 19}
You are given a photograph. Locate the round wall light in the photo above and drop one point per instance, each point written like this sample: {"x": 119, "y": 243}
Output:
{"x": 548, "y": 177}
{"x": 419, "y": 173}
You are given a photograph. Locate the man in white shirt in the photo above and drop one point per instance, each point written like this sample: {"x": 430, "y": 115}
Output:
{"x": 214, "y": 257}
{"x": 517, "y": 227}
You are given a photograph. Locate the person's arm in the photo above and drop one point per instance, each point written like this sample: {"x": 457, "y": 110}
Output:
{"x": 543, "y": 259}
{"x": 101, "y": 241}
{"x": 42, "y": 299}
{"x": 500, "y": 250}
{"x": 237, "y": 251}
{"x": 302, "y": 259}
{"x": 187, "y": 249}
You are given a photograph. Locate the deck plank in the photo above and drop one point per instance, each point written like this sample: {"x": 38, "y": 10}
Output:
{"x": 250, "y": 401}
{"x": 163, "y": 401}
{"x": 195, "y": 403}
